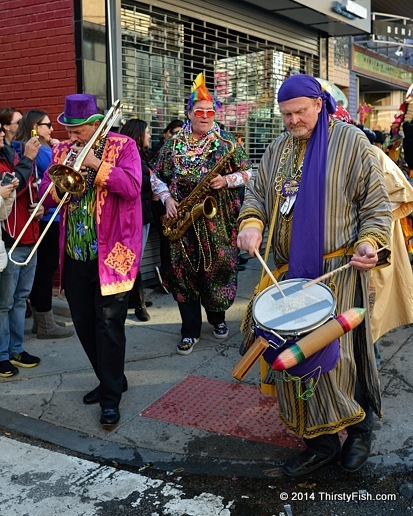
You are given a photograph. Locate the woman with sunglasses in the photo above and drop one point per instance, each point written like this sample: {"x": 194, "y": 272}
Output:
{"x": 202, "y": 268}
{"x": 37, "y": 121}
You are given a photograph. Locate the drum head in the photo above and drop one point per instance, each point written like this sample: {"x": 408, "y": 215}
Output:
{"x": 299, "y": 312}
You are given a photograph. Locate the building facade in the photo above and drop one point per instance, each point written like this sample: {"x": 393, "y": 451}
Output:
{"x": 148, "y": 52}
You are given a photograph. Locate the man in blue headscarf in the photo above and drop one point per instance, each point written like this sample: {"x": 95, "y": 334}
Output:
{"x": 320, "y": 190}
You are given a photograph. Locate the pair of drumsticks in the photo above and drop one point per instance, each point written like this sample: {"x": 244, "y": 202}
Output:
{"x": 312, "y": 282}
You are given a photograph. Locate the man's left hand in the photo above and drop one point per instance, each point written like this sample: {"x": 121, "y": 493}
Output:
{"x": 365, "y": 258}
{"x": 218, "y": 183}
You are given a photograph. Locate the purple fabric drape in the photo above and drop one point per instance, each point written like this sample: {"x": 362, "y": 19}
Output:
{"x": 307, "y": 236}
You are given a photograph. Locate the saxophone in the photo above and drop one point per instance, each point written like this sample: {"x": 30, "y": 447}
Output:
{"x": 197, "y": 203}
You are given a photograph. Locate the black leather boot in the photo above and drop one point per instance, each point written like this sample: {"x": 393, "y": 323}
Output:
{"x": 355, "y": 451}
{"x": 140, "y": 307}
{"x": 307, "y": 462}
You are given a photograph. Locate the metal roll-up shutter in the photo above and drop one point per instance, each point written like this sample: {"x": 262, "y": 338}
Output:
{"x": 244, "y": 54}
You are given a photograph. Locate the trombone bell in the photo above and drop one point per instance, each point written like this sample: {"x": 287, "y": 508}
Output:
{"x": 67, "y": 179}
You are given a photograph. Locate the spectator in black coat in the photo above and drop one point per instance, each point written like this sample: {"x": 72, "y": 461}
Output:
{"x": 138, "y": 130}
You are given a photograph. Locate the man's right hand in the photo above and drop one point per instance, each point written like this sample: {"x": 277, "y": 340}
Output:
{"x": 32, "y": 147}
{"x": 6, "y": 190}
{"x": 249, "y": 239}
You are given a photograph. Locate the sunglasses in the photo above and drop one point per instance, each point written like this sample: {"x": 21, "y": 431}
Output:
{"x": 199, "y": 113}
{"x": 49, "y": 124}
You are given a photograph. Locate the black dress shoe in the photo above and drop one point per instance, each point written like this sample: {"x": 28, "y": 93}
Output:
{"x": 306, "y": 463}
{"x": 91, "y": 397}
{"x": 94, "y": 396}
{"x": 355, "y": 451}
{"x": 109, "y": 417}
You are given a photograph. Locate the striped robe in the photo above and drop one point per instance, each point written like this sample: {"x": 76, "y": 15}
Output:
{"x": 356, "y": 203}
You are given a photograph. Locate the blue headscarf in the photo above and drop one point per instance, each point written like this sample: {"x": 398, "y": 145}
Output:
{"x": 307, "y": 236}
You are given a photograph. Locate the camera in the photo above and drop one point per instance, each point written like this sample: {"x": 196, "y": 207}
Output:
{"x": 7, "y": 179}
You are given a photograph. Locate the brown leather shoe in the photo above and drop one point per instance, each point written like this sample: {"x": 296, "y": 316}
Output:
{"x": 355, "y": 451}
{"x": 307, "y": 462}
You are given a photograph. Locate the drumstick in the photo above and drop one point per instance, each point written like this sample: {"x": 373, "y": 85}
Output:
{"x": 339, "y": 269}
{"x": 270, "y": 274}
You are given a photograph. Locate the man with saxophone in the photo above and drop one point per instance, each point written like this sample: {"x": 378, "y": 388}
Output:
{"x": 196, "y": 176}
{"x": 100, "y": 240}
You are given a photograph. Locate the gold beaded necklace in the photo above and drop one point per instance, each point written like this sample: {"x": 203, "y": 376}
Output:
{"x": 289, "y": 173}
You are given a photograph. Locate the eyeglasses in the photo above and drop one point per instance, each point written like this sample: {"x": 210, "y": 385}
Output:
{"x": 49, "y": 124}
{"x": 199, "y": 113}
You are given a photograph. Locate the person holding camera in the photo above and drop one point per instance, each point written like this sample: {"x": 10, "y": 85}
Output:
{"x": 8, "y": 185}
{"x": 15, "y": 281}
{"x": 36, "y": 122}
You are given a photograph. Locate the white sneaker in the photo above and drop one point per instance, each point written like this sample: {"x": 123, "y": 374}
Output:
{"x": 221, "y": 331}
{"x": 186, "y": 345}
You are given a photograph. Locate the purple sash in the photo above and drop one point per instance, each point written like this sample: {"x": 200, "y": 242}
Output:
{"x": 307, "y": 235}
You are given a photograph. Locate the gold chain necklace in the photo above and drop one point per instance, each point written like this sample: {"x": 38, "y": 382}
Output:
{"x": 289, "y": 173}
{"x": 202, "y": 253}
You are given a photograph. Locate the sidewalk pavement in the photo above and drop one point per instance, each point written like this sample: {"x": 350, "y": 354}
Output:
{"x": 187, "y": 413}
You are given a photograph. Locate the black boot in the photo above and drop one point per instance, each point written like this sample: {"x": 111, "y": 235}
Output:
{"x": 140, "y": 306}
{"x": 355, "y": 452}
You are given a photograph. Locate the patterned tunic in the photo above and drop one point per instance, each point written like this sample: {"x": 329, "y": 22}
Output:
{"x": 356, "y": 203}
{"x": 203, "y": 261}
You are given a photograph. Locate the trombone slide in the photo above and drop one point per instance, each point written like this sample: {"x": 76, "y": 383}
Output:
{"x": 32, "y": 216}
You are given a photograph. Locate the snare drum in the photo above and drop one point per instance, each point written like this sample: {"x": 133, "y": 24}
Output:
{"x": 287, "y": 319}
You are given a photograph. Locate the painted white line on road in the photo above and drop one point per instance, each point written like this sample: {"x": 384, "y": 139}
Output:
{"x": 41, "y": 482}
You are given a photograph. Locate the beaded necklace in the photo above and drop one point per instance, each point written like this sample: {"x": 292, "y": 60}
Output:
{"x": 287, "y": 182}
{"x": 90, "y": 178}
{"x": 190, "y": 154}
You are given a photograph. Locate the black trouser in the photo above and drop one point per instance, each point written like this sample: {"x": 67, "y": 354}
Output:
{"x": 192, "y": 318}
{"x": 100, "y": 325}
{"x": 47, "y": 262}
{"x": 408, "y": 143}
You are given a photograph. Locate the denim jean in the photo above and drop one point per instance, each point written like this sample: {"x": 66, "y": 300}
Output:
{"x": 15, "y": 286}
{"x": 145, "y": 234}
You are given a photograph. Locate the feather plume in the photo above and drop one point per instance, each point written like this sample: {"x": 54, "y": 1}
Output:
{"x": 198, "y": 82}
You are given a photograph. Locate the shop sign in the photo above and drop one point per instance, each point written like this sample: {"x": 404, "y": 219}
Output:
{"x": 350, "y": 9}
{"x": 392, "y": 29}
{"x": 370, "y": 66}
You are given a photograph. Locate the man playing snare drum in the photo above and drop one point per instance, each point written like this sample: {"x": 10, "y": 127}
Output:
{"x": 321, "y": 184}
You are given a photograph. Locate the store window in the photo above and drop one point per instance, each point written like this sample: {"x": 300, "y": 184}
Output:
{"x": 163, "y": 51}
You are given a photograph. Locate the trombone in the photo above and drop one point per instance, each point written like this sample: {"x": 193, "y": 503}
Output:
{"x": 67, "y": 177}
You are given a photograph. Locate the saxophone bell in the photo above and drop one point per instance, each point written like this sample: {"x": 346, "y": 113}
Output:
{"x": 208, "y": 208}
